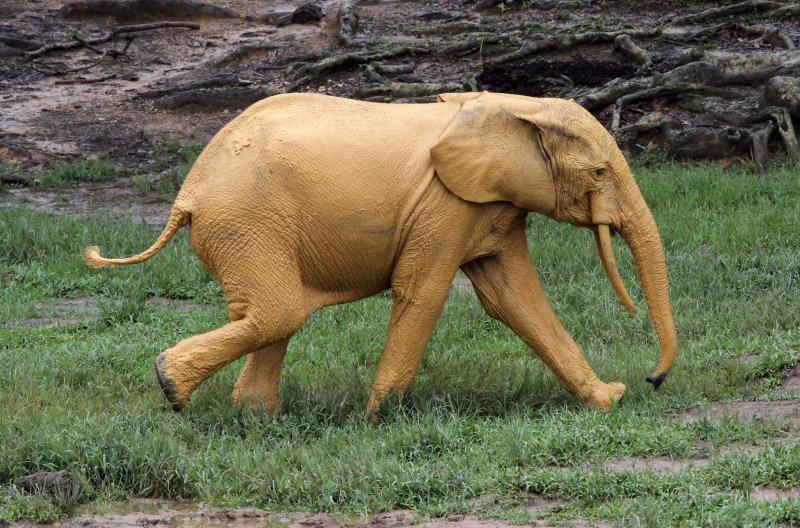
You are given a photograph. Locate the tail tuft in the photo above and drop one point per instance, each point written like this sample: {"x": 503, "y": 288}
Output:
{"x": 91, "y": 255}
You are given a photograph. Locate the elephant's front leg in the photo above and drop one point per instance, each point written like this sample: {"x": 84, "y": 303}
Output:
{"x": 509, "y": 289}
{"x": 418, "y": 302}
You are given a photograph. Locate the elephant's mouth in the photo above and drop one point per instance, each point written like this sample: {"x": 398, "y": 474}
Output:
{"x": 602, "y": 236}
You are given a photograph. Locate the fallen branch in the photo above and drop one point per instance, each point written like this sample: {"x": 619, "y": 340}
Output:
{"x": 569, "y": 42}
{"x": 119, "y": 30}
{"x": 348, "y": 23}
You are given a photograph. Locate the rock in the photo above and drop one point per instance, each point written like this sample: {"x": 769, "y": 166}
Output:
{"x": 784, "y": 92}
{"x": 60, "y": 482}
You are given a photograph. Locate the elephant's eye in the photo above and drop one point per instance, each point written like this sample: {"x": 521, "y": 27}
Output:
{"x": 600, "y": 172}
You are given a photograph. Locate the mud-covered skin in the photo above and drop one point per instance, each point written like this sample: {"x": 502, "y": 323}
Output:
{"x": 305, "y": 201}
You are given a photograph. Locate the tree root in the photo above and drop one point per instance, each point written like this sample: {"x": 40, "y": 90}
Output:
{"x": 348, "y": 23}
{"x": 455, "y": 28}
{"x": 625, "y": 45}
{"x": 245, "y": 53}
{"x": 460, "y": 50}
{"x": 767, "y": 33}
{"x": 734, "y": 9}
{"x": 669, "y": 89}
{"x": 405, "y": 90}
{"x": 232, "y": 98}
{"x": 569, "y": 42}
{"x": 302, "y": 74}
{"x": 784, "y": 92}
{"x": 119, "y": 30}
{"x": 217, "y": 81}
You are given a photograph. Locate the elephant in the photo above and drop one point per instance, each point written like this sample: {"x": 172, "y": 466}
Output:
{"x": 307, "y": 200}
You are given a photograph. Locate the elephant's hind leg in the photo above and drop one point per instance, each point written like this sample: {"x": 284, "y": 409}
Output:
{"x": 255, "y": 326}
{"x": 259, "y": 381}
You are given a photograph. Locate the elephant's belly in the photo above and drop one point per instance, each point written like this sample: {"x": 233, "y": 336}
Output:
{"x": 346, "y": 264}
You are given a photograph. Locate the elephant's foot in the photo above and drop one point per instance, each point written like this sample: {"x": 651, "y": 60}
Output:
{"x": 174, "y": 395}
{"x": 603, "y": 395}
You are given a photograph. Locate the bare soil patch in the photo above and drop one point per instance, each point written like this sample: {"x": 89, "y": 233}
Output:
{"x": 87, "y": 199}
{"x": 792, "y": 381}
{"x": 770, "y": 494}
{"x": 82, "y": 310}
{"x": 760, "y": 410}
{"x": 657, "y": 464}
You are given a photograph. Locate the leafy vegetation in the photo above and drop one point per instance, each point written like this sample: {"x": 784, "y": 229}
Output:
{"x": 483, "y": 418}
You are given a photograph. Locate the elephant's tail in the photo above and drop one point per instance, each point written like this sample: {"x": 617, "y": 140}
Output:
{"x": 178, "y": 218}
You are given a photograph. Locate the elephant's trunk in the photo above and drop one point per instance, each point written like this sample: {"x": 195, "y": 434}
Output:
{"x": 641, "y": 234}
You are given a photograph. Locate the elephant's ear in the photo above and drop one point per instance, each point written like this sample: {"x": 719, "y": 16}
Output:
{"x": 491, "y": 152}
{"x": 457, "y": 97}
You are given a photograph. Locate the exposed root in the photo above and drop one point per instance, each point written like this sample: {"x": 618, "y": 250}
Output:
{"x": 625, "y": 45}
{"x": 119, "y": 30}
{"x": 455, "y": 28}
{"x": 725, "y": 11}
{"x": 669, "y": 89}
{"x": 232, "y": 98}
{"x": 767, "y": 33}
{"x": 217, "y": 81}
{"x": 471, "y": 46}
{"x": 246, "y": 52}
{"x": 571, "y": 41}
{"x": 307, "y": 72}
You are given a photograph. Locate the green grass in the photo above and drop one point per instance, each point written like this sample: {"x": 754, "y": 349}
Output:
{"x": 88, "y": 170}
{"x": 483, "y": 417}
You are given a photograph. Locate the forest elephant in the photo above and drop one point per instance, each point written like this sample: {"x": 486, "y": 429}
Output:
{"x": 306, "y": 200}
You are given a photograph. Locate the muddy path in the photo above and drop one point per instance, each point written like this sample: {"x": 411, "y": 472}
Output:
{"x": 146, "y": 512}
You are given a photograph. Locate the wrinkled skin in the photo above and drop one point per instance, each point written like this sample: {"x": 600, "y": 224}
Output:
{"x": 306, "y": 201}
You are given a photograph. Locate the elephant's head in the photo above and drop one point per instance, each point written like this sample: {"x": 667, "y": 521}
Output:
{"x": 553, "y": 157}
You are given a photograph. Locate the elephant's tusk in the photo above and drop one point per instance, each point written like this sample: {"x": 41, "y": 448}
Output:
{"x": 603, "y": 238}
